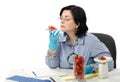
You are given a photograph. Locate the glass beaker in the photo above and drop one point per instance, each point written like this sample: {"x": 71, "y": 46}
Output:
{"x": 79, "y": 69}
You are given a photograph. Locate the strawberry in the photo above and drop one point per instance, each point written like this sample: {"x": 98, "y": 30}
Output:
{"x": 102, "y": 58}
{"x": 79, "y": 67}
{"x": 52, "y": 28}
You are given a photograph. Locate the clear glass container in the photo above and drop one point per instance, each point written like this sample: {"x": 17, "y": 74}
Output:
{"x": 79, "y": 69}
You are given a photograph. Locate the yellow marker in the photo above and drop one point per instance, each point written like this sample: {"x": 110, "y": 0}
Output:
{"x": 66, "y": 78}
{"x": 92, "y": 75}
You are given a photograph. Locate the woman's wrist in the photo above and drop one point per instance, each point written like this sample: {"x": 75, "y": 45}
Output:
{"x": 95, "y": 69}
{"x": 52, "y": 52}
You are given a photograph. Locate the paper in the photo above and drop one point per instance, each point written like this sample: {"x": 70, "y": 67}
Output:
{"x": 26, "y": 79}
{"x": 50, "y": 72}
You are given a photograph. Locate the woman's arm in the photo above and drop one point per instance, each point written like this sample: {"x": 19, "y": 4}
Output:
{"x": 99, "y": 49}
{"x": 52, "y": 59}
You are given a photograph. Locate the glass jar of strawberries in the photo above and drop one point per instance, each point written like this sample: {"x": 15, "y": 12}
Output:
{"x": 79, "y": 68}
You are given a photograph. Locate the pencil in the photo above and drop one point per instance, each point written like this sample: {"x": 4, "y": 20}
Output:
{"x": 52, "y": 79}
{"x": 34, "y": 74}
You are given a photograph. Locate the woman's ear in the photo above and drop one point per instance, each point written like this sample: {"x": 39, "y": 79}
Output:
{"x": 78, "y": 25}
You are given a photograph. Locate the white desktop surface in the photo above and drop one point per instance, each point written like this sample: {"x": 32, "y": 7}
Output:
{"x": 114, "y": 76}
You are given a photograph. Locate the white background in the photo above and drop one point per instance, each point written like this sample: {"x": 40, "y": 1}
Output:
{"x": 23, "y": 35}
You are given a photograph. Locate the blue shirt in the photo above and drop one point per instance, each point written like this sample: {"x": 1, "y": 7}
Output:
{"x": 88, "y": 46}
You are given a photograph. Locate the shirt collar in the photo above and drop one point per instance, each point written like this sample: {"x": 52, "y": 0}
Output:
{"x": 63, "y": 38}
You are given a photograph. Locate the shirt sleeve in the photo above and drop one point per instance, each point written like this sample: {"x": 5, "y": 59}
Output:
{"x": 98, "y": 48}
{"x": 52, "y": 60}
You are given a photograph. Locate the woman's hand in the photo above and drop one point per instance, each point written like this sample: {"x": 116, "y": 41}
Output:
{"x": 89, "y": 69}
{"x": 53, "y": 38}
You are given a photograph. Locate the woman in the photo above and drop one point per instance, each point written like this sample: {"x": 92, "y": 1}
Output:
{"x": 74, "y": 38}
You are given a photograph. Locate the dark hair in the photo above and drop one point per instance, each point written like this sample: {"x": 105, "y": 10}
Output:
{"x": 79, "y": 18}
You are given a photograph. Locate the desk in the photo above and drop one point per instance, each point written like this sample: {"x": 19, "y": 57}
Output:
{"x": 114, "y": 76}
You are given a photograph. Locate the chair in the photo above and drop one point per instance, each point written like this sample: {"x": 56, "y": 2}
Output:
{"x": 109, "y": 42}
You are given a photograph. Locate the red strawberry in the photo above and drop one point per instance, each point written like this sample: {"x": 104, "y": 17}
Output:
{"x": 52, "y": 28}
{"x": 76, "y": 56}
{"x": 79, "y": 67}
{"x": 102, "y": 58}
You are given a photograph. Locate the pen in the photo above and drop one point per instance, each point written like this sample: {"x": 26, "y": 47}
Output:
{"x": 52, "y": 79}
{"x": 34, "y": 73}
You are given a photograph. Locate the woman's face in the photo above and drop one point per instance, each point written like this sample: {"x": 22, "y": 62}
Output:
{"x": 67, "y": 23}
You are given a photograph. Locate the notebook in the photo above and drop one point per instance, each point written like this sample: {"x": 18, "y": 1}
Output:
{"x": 26, "y": 79}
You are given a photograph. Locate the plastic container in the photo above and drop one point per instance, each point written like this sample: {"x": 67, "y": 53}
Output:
{"x": 103, "y": 70}
{"x": 103, "y": 66}
{"x": 79, "y": 69}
